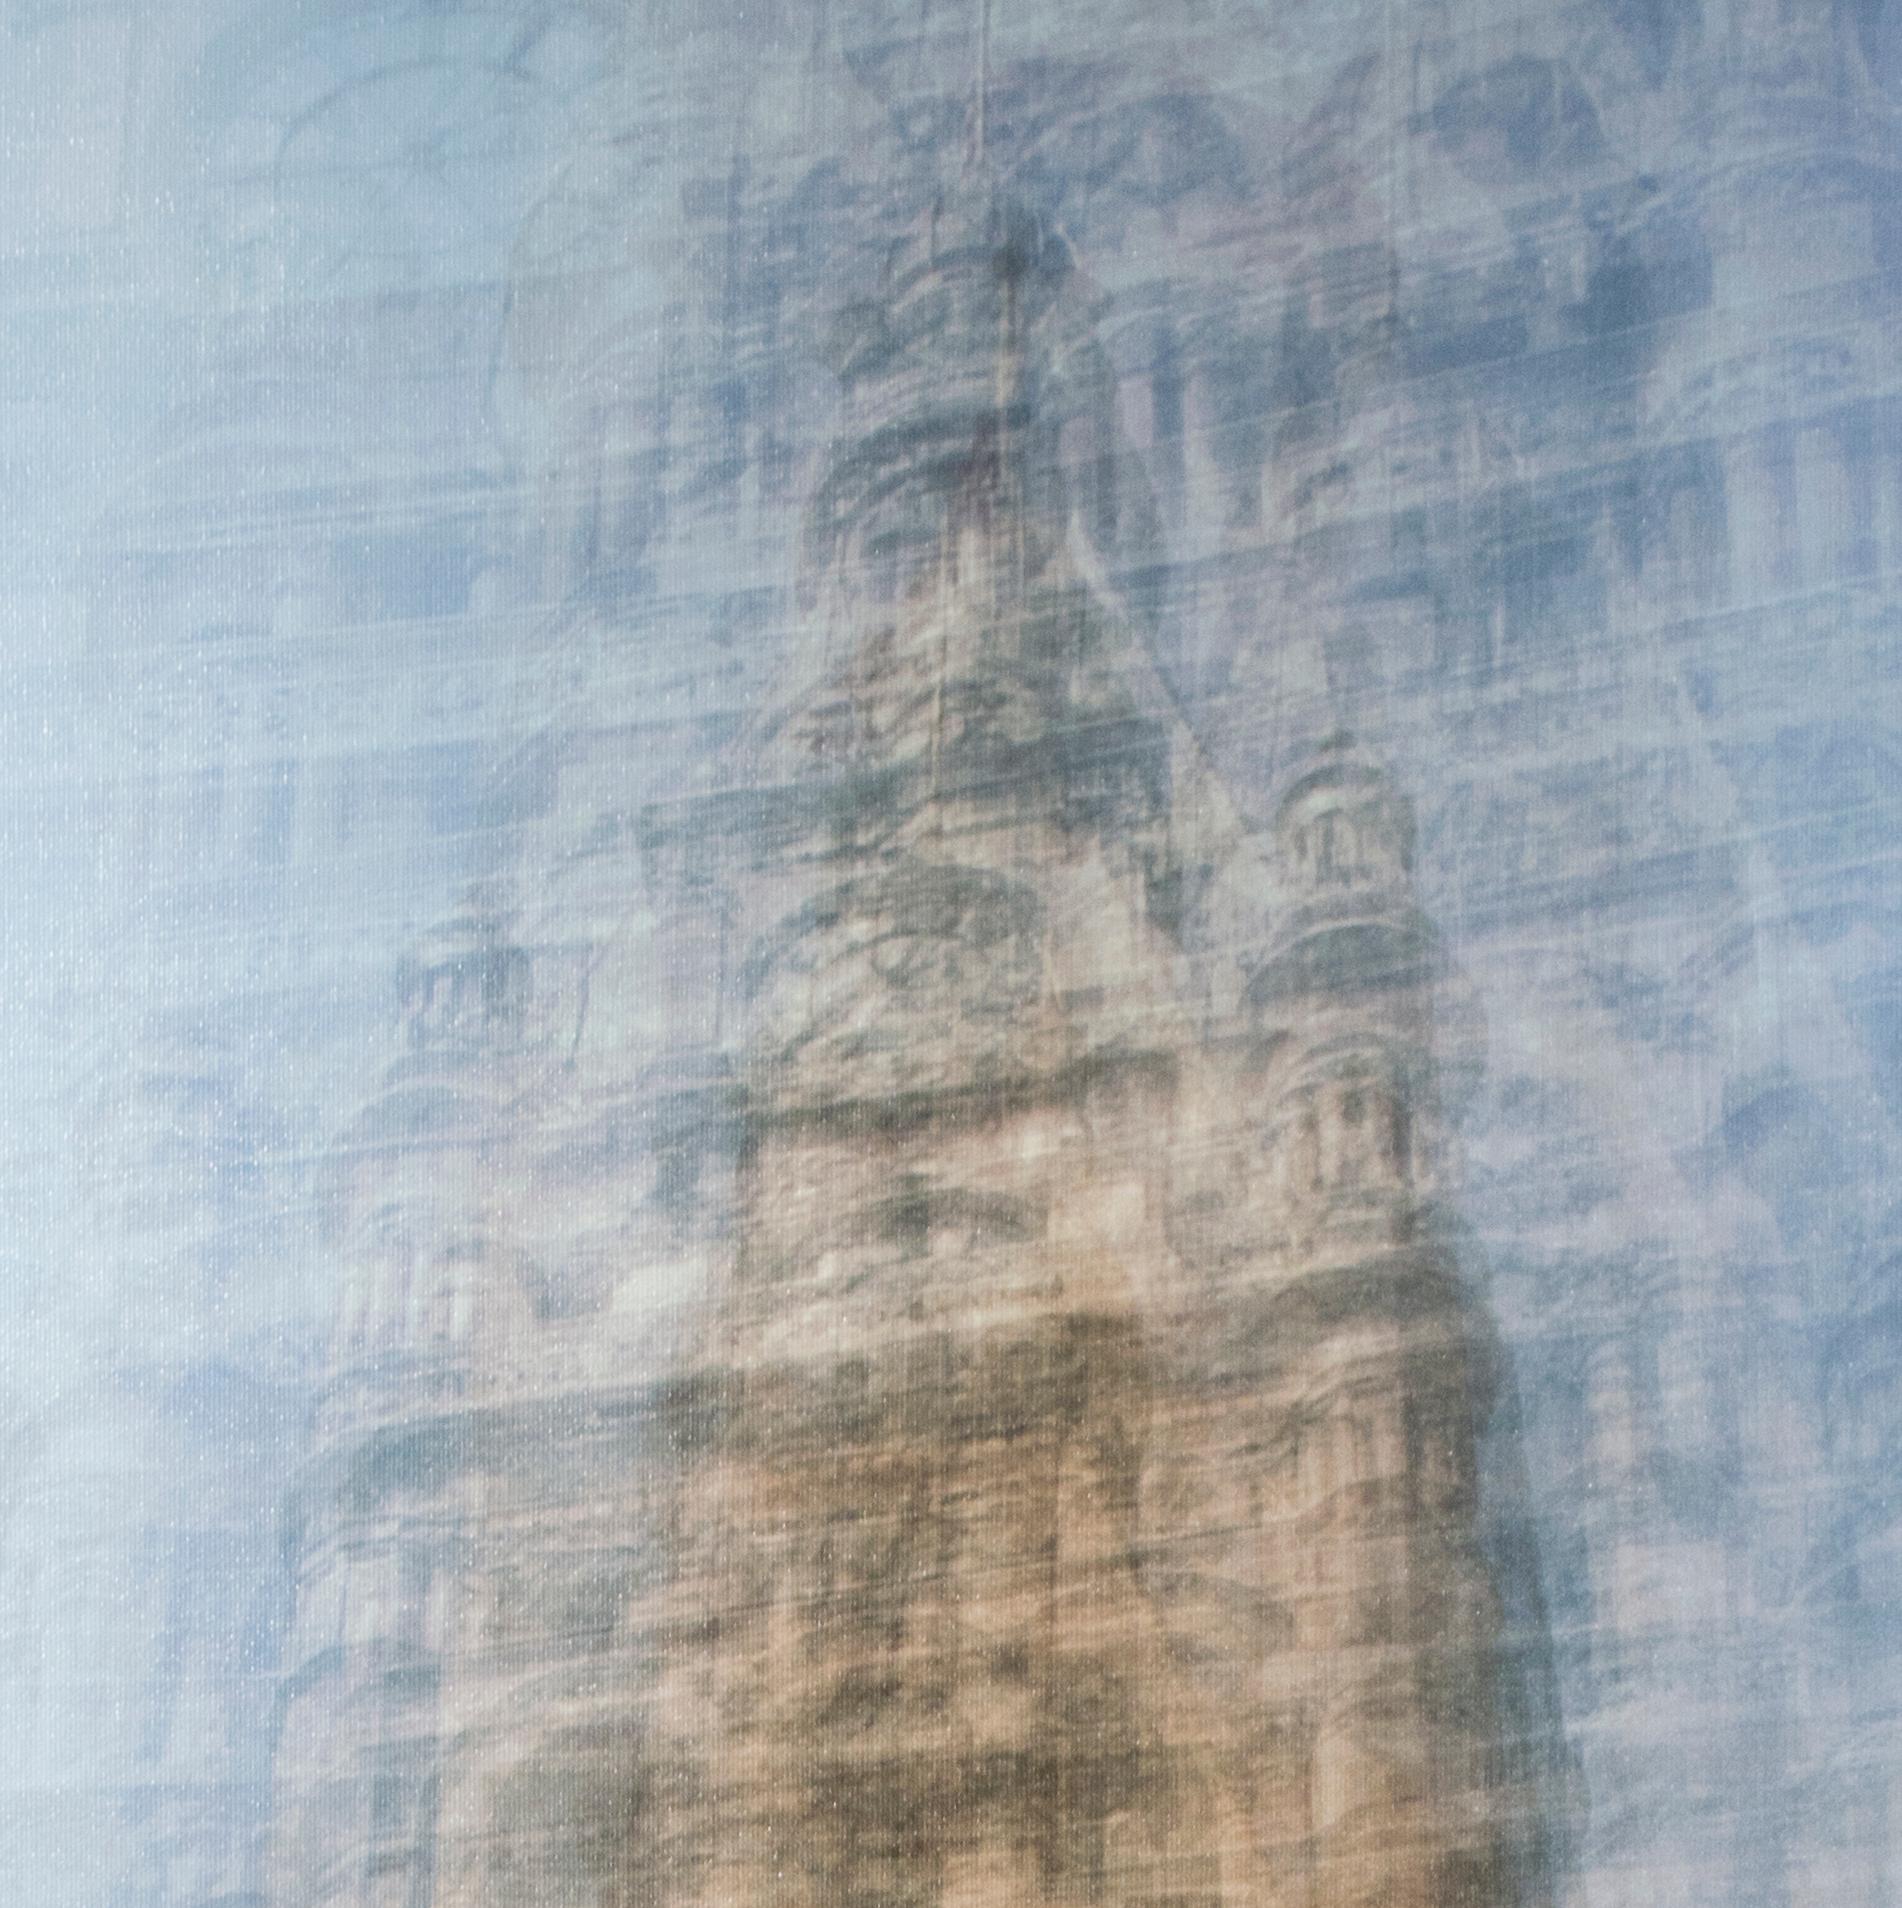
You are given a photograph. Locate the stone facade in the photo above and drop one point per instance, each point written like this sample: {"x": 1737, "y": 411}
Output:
{"x": 569, "y": 798}
{"x": 1068, "y": 1489}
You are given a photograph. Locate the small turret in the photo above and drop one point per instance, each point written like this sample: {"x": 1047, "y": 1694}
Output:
{"x": 1344, "y": 828}
{"x": 1382, "y": 1373}
{"x": 465, "y": 988}
{"x": 1343, "y": 993}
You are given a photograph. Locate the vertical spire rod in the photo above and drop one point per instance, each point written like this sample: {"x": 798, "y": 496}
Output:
{"x": 981, "y": 104}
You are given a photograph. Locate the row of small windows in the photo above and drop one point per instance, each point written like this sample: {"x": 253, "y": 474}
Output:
{"x": 1347, "y": 1133}
{"x": 281, "y": 812}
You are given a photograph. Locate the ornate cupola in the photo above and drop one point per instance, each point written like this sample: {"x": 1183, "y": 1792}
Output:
{"x": 1343, "y": 995}
{"x": 1343, "y": 848}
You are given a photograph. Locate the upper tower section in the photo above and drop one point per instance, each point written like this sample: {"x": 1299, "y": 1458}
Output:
{"x": 942, "y": 371}
{"x": 961, "y": 655}
{"x": 976, "y": 761}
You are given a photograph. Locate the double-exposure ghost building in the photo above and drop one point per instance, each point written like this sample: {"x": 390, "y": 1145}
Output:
{"x": 908, "y": 1311}
{"x": 991, "y": 1418}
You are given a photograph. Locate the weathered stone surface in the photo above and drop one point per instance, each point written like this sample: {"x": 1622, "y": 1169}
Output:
{"x": 743, "y": 1165}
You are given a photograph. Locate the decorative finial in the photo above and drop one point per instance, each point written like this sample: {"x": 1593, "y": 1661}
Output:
{"x": 980, "y": 104}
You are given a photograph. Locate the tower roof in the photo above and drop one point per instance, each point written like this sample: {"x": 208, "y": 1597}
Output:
{"x": 943, "y": 372}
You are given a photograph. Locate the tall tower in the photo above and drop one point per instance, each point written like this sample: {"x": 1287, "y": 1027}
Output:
{"x": 1385, "y": 1375}
{"x": 379, "y": 1516}
{"x": 1067, "y": 1491}
{"x": 1312, "y": 1524}
{"x": 1087, "y": 1507}
{"x": 926, "y": 1667}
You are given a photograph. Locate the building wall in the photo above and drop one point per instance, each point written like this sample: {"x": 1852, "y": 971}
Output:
{"x": 419, "y": 436}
